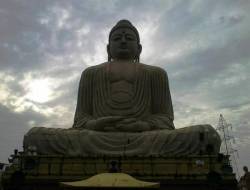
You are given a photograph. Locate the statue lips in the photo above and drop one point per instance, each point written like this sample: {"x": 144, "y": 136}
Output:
{"x": 123, "y": 49}
{"x": 123, "y": 53}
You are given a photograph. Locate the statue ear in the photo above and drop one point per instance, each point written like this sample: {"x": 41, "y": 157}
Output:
{"x": 108, "y": 51}
{"x": 139, "y": 49}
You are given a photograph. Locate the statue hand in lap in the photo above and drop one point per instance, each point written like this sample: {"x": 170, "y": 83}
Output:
{"x": 132, "y": 125}
{"x": 117, "y": 123}
{"x": 107, "y": 123}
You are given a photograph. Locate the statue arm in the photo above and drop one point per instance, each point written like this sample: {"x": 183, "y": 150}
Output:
{"x": 161, "y": 106}
{"x": 84, "y": 118}
{"x": 83, "y": 112}
{"x": 162, "y": 110}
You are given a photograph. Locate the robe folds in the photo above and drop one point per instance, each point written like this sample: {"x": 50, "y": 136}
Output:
{"x": 75, "y": 142}
{"x": 148, "y": 100}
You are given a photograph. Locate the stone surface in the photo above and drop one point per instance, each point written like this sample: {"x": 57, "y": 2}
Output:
{"x": 124, "y": 107}
{"x": 191, "y": 172}
{"x": 72, "y": 142}
{"x": 120, "y": 102}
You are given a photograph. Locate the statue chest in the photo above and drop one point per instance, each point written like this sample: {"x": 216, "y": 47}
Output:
{"x": 122, "y": 90}
{"x": 122, "y": 78}
{"x": 122, "y": 72}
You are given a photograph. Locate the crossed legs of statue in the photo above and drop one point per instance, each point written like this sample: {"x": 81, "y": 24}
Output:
{"x": 193, "y": 140}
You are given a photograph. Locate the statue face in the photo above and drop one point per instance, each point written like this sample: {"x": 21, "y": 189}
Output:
{"x": 124, "y": 44}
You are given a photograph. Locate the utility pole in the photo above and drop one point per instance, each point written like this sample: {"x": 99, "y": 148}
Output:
{"x": 224, "y": 130}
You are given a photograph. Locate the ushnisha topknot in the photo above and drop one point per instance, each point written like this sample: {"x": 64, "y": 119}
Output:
{"x": 125, "y": 24}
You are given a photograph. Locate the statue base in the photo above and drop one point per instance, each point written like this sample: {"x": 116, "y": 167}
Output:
{"x": 172, "y": 173}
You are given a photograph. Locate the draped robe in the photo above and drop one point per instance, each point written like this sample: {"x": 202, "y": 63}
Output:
{"x": 148, "y": 100}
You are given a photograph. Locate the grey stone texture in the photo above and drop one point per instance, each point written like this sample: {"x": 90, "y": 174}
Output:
{"x": 124, "y": 107}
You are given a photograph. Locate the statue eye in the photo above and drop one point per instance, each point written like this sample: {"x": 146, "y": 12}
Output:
{"x": 116, "y": 37}
{"x": 130, "y": 37}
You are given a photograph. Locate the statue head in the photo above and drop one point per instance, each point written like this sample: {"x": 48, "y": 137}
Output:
{"x": 124, "y": 42}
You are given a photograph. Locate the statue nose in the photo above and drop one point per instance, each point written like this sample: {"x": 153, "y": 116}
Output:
{"x": 123, "y": 39}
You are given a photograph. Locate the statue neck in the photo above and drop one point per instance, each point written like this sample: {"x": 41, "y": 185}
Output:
{"x": 118, "y": 60}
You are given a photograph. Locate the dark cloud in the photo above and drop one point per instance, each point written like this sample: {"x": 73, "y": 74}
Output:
{"x": 13, "y": 127}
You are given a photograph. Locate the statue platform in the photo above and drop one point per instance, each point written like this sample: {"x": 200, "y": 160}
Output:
{"x": 172, "y": 173}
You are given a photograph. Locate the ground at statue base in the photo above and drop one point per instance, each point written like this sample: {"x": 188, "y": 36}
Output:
{"x": 173, "y": 173}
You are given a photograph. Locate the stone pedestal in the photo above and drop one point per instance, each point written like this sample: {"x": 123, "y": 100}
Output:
{"x": 192, "y": 172}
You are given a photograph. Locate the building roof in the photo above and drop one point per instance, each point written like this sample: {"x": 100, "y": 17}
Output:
{"x": 112, "y": 180}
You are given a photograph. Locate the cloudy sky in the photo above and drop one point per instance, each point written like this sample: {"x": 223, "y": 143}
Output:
{"x": 45, "y": 45}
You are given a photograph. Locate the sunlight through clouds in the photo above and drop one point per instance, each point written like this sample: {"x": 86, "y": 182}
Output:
{"x": 5, "y": 92}
{"x": 147, "y": 30}
{"x": 39, "y": 91}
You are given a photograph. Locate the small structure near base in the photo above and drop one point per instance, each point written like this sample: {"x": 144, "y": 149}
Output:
{"x": 111, "y": 180}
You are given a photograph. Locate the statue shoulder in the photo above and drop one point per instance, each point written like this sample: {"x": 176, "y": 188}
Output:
{"x": 93, "y": 69}
{"x": 153, "y": 69}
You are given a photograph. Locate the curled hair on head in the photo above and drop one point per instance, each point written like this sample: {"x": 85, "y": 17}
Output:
{"x": 125, "y": 24}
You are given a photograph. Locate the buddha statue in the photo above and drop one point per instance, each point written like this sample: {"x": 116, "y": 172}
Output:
{"x": 124, "y": 107}
{"x": 123, "y": 94}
